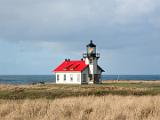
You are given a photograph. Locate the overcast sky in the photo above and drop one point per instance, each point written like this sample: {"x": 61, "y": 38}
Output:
{"x": 37, "y": 35}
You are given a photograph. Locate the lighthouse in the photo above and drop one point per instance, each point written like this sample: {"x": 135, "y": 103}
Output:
{"x": 91, "y": 58}
{"x": 83, "y": 71}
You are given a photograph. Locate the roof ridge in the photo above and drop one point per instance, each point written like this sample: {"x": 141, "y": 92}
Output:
{"x": 75, "y": 61}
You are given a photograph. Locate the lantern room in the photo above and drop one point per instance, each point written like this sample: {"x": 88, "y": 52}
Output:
{"x": 91, "y": 49}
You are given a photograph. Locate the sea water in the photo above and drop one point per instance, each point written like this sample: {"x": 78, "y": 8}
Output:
{"x": 30, "y": 79}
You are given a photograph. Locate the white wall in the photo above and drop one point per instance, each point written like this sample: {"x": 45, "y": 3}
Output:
{"x": 86, "y": 61}
{"x": 68, "y": 78}
{"x": 93, "y": 67}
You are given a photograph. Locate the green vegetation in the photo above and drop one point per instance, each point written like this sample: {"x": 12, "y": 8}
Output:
{"x": 52, "y": 91}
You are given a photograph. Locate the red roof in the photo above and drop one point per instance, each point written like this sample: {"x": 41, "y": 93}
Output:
{"x": 71, "y": 66}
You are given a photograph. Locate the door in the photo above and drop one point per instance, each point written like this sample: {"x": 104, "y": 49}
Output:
{"x": 84, "y": 77}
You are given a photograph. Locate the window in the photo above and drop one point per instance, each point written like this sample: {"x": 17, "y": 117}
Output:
{"x": 57, "y": 77}
{"x": 71, "y": 77}
{"x": 78, "y": 77}
{"x": 64, "y": 77}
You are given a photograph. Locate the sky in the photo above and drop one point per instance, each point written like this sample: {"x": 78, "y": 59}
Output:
{"x": 37, "y": 35}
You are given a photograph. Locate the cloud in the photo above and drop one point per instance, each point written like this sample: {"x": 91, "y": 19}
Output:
{"x": 67, "y": 20}
{"x": 132, "y": 10}
{"x": 38, "y": 30}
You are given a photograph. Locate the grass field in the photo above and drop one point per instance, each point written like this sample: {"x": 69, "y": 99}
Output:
{"x": 112, "y": 100}
{"x": 110, "y": 107}
{"x": 52, "y": 91}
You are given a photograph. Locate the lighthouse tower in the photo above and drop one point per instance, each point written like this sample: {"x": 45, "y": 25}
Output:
{"x": 91, "y": 58}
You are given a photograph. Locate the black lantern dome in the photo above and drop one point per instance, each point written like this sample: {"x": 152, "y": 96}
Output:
{"x": 91, "y": 44}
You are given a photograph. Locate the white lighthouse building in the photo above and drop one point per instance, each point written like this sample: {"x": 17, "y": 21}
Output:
{"x": 81, "y": 71}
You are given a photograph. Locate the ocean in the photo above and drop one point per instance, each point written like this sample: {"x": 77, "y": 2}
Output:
{"x": 29, "y": 79}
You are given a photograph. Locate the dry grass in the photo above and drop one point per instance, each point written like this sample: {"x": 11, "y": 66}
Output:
{"x": 83, "y": 108}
